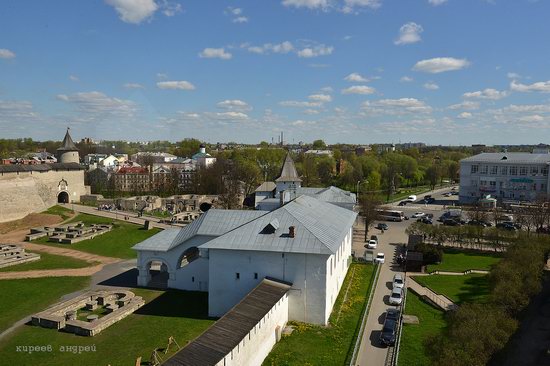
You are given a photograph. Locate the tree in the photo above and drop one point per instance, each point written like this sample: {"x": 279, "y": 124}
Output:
{"x": 325, "y": 170}
{"x": 319, "y": 145}
{"x": 369, "y": 204}
{"x": 433, "y": 174}
{"x": 187, "y": 147}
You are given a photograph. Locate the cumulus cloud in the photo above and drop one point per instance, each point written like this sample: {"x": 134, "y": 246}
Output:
{"x": 409, "y": 33}
{"x": 406, "y": 79}
{"x": 356, "y": 78}
{"x": 468, "y": 105}
{"x": 315, "y": 51}
{"x": 345, "y": 6}
{"x": 513, "y": 75}
{"x": 236, "y": 15}
{"x": 396, "y": 106}
{"x": 170, "y": 9}
{"x": 227, "y": 116}
{"x": 182, "y": 85}
{"x": 491, "y": 94}
{"x": 300, "y": 104}
{"x": 437, "y": 2}
{"x": 541, "y": 87}
{"x": 16, "y": 110}
{"x": 441, "y": 64}
{"x": 215, "y": 53}
{"x": 234, "y": 104}
{"x": 134, "y": 11}
{"x": 303, "y": 48}
{"x": 95, "y": 103}
{"x": 465, "y": 115}
{"x": 431, "y": 86}
{"x": 133, "y": 86}
{"x": 358, "y": 89}
{"x": 74, "y": 78}
{"x": 323, "y": 98}
{"x": 6, "y": 54}
{"x": 310, "y": 4}
{"x": 266, "y": 48}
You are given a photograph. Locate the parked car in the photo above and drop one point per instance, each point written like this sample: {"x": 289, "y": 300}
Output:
{"x": 478, "y": 223}
{"x": 448, "y": 194}
{"x": 392, "y": 313}
{"x": 398, "y": 281}
{"x": 382, "y": 226}
{"x": 506, "y": 226}
{"x": 389, "y": 329}
{"x": 411, "y": 198}
{"x": 403, "y": 203}
{"x": 425, "y": 220}
{"x": 418, "y": 214}
{"x": 375, "y": 238}
{"x": 455, "y": 193}
{"x": 372, "y": 244}
{"x": 380, "y": 258}
{"x": 451, "y": 222}
{"x": 396, "y": 297}
{"x": 514, "y": 224}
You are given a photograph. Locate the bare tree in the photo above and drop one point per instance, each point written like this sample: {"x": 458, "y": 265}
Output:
{"x": 369, "y": 204}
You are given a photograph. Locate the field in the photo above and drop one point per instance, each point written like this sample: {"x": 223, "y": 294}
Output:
{"x": 48, "y": 261}
{"x": 181, "y": 314}
{"x": 432, "y": 322}
{"x": 460, "y": 289}
{"x": 60, "y": 211}
{"x": 25, "y": 297}
{"x": 316, "y": 345}
{"x": 117, "y": 243}
{"x": 461, "y": 260}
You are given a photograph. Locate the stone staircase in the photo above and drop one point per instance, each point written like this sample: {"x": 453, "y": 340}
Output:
{"x": 438, "y": 300}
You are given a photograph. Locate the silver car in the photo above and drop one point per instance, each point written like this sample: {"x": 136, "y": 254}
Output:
{"x": 396, "y": 297}
{"x": 398, "y": 281}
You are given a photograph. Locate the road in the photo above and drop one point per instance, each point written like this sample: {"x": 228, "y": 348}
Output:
{"x": 389, "y": 243}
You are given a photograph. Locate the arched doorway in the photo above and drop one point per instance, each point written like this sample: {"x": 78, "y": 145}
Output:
{"x": 63, "y": 197}
{"x": 188, "y": 256}
{"x": 158, "y": 271}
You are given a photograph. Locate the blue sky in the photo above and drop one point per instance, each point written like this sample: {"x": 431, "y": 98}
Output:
{"x": 356, "y": 71}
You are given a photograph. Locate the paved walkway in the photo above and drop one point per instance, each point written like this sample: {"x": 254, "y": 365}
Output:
{"x": 440, "y": 300}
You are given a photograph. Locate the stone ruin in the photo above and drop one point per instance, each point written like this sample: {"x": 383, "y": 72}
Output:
{"x": 101, "y": 309}
{"x": 11, "y": 254}
{"x": 68, "y": 233}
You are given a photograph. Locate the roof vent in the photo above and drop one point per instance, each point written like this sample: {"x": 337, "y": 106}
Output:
{"x": 271, "y": 227}
{"x": 504, "y": 158}
{"x": 292, "y": 231}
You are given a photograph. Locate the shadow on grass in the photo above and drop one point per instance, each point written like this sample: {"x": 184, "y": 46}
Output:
{"x": 475, "y": 289}
{"x": 125, "y": 279}
{"x": 176, "y": 303}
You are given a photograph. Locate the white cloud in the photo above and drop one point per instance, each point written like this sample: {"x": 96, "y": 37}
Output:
{"x": 345, "y": 6}
{"x": 170, "y": 9}
{"x": 431, "y": 86}
{"x": 182, "y": 85}
{"x": 74, "y": 78}
{"x": 397, "y": 106}
{"x": 283, "y": 47}
{"x": 441, "y": 64}
{"x": 234, "y": 104}
{"x": 532, "y": 118}
{"x": 215, "y": 53}
{"x": 134, "y": 11}
{"x": 437, "y": 2}
{"x": 356, "y": 78}
{"x": 406, "y": 79}
{"x": 358, "y": 89}
{"x": 315, "y": 51}
{"x": 491, "y": 94}
{"x": 513, "y": 75}
{"x": 16, "y": 110}
{"x": 161, "y": 75}
{"x": 310, "y": 4}
{"x": 541, "y": 86}
{"x": 327, "y": 89}
{"x": 323, "y": 98}
{"x": 236, "y": 14}
{"x": 133, "y": 86}
{"x": 6, "y": 54}
{"x": 97, "y": 104}
{"x": 468, "y": 105}
{"x": 300, "y": 104}
{"x": 409, "y": 33}
{"x": 311, "y": 111}
{"x": 241, "y": 19}
{"x": 230, "y": 115}
{"x": 465, "y": 115}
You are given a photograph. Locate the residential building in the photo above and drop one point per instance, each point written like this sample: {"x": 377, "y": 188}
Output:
{"x": 506, "y": 176}
{"x": 132, "y": 179}
{"x": 203, "y": 159}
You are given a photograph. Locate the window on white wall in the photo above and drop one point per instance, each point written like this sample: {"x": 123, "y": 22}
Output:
{"x": 237, "y": 275}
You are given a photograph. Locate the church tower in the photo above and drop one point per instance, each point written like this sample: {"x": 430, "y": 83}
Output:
{"x": 68, "y": 152}
{"x": 288, "y": 179}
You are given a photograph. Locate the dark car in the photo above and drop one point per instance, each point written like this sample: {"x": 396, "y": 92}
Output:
{"x": 514, "y": 224}
{"x": 477, "y": 223}
{"x": 392, "y": 313}
{"x": 402, "y": 203}
{"x": 451, "y": 222}
{"x": 425, "y": 220}
{"x": 382, "y": 226}
{"x": 387, "y": 336}
{"x": 506, "y": 226}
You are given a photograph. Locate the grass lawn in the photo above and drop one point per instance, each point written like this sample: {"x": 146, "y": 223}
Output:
{"x": 181, "y": 314}
{"x": 468, "y": 288}
{"x": 25, "y": 297}
{"x": 316, "y": 345}
{"x": 48, "y": 261}
{"x": 63, "y": 212}
{"x": 117, "y": 243}
{"x": 463, "y": 260}
{"x": 412, "y": 351}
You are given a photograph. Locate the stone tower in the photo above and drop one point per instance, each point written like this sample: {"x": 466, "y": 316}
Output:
{"x": 68, "y": 153}
{"x": 288, "y": 179}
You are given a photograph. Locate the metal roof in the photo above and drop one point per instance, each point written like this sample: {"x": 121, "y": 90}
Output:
{"x": 13, "y": 168}
{"x": 508, "y": 158}
{"x": 329, "y": 194}
{"x": 320, "y": 228}
{"x": 266, "y": 187}
{"x": 212, "y": 223}
{"x": 288, "y": 171}
{"x": 67, "y": 144}
{"x": 225, "y": 334}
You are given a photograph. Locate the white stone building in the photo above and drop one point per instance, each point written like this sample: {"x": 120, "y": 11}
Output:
{"x": 203, "y": 159}
{"x": 506, "y": 176}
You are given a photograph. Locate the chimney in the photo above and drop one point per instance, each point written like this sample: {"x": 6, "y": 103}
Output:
{"x": 291, "y": 231}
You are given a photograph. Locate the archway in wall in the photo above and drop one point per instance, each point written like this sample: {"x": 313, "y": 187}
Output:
{"x": 159, "y": 274}
{"x": 63, "y": 197}
{"x": 188, "y": 256}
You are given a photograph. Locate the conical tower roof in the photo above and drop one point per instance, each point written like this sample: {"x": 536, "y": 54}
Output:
{"x": 67, "y": 144}
{"x": 288, "y": 172}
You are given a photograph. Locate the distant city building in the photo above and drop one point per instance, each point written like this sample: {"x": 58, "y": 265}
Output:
{"x": 68, "y": 152}
{"x": 155, "y": 158}
{"x": 203, "y": 159}
{"x": 319, "y": 152}
{"x": 132, "y": 179}
{"x": 505, "y": 176}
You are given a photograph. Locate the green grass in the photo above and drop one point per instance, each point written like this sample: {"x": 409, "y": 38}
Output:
{"x": 460, "y": 289}
{"x": 117, "y": 243}
{"x": 63, "y": 212}
{"x": 181, "y": 314}
{"x": 461, "y": 260}
{"x": 25, "y": 297}
{"x": 316, "y": 345}
{"x": 48, "y": 261}
{"x": 412, "y": 351}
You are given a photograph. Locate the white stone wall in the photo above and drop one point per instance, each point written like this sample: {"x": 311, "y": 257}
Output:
{"x": 26, "y": 192}
{"x": 337, "y": 274}
{"x": 257, "y": 344}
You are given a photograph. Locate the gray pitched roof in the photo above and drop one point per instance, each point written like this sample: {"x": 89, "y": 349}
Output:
{"x": 320, "y": 228}
{"x": 509, "y": 157}
{"x": 12, "y": 168}
{"x": 67, "y": 144}
{"x": 266, "y": 187}
{"x": 330, "y": 194}
{"x": 288, "y": 171}
{"x": 212, "y": 223}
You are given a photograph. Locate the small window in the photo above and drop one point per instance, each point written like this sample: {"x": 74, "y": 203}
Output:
{"x": 193, "y": 279}
{"x": 255, "y": 275}
{"x": 237, "y": 275}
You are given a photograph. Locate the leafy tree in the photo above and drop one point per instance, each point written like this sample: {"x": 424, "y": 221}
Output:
{"x": 187, "y": 147}
{"x": 319, "y": 145}
{"x": 369, "y": 204}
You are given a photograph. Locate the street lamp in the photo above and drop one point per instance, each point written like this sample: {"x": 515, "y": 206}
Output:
{"x": 357, "y": 192}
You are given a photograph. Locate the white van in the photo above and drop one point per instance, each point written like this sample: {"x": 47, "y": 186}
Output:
{"x": 411, "y": 198}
